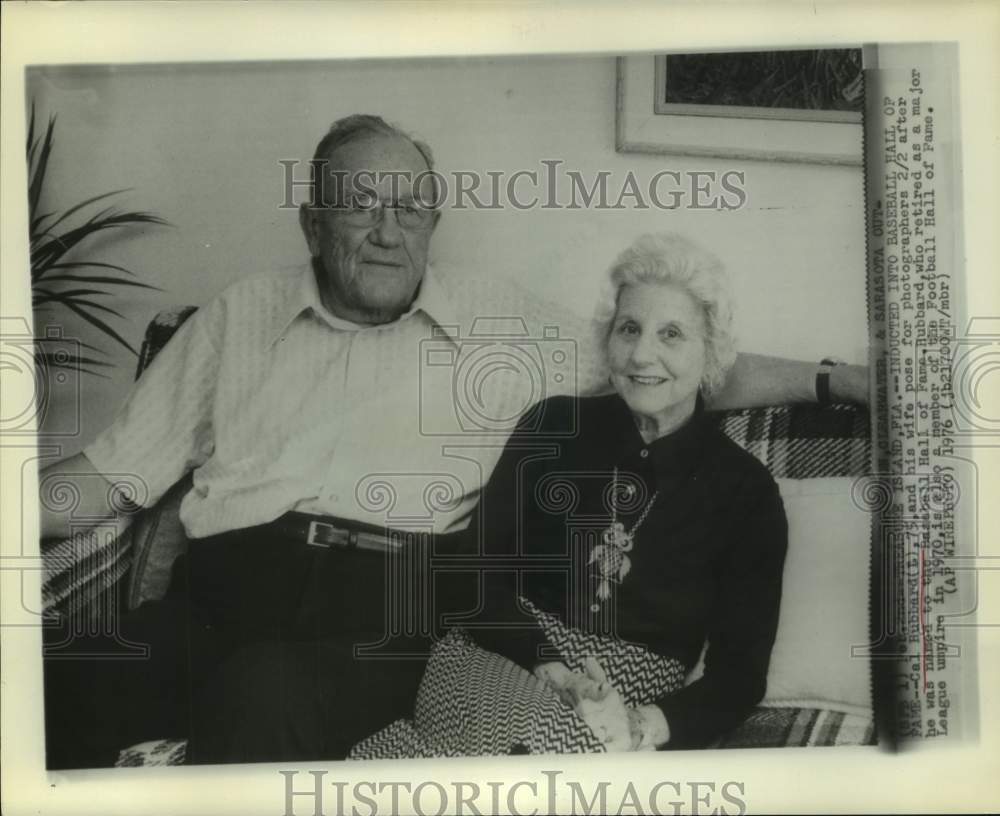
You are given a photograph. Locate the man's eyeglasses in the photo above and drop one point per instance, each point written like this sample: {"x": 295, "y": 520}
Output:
{"x": 365, "y": 212}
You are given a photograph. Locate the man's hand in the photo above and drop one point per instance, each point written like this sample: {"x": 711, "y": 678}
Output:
{"x": 849, "y": 383}
{"x": 91, "y": 490}
{"x": 757, "y": 380}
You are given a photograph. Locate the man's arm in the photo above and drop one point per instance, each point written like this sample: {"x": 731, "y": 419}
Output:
{"x": 757, "y": 380}
{"x": 163, "y": 430}
{"x": 92, "y": 490}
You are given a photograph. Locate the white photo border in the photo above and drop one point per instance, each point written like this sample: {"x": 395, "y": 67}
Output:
{"x": 846, "y": 779}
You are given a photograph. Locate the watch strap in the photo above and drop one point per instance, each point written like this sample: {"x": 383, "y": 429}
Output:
{"x": 826, "y": 365}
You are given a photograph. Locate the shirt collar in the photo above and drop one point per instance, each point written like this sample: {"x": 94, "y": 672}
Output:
{"x": 676, "y": 453}
{"x": 432, "y": 299}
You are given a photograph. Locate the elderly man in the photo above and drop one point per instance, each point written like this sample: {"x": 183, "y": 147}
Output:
{"x": 310, "y": 409}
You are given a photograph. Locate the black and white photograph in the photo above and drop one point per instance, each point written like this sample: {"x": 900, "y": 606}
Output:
{"x": 482, "y": 464}
{"x": 514, "y": 406}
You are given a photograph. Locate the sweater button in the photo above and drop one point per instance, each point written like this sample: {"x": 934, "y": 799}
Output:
{"x": 644, "y": 453}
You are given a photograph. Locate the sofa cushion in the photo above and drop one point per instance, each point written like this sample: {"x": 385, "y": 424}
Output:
{"x": 819, "y": 658}
{"x": 158, "y": 537}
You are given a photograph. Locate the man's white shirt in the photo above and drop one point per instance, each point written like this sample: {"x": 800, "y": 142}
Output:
{"x": 277, "y": 405}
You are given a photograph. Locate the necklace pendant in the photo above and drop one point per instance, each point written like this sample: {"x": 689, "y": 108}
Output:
{"x": 604, "y": 589}
{"x": 614, "y": 534}
{"x": 625, "y": 542}
{"x": 609, "y": 556}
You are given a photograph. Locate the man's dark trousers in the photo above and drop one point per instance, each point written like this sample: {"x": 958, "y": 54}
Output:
{"x": 265, "y": 649}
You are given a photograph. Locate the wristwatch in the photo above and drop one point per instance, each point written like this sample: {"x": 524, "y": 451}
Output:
{"x": 823, "y": 379}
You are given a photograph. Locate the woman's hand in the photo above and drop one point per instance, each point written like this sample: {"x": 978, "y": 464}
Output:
{"x": 596, "y": 701}
{"x": 571, "y": 686}
{"x": 650, "y": 729}
{"x": 605, "y": 712}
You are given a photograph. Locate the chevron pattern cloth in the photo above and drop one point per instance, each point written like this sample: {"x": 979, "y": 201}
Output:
{"x": 474, "y": 703}
{"x": 639, "y": 675}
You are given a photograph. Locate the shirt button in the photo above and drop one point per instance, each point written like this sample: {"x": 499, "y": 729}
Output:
{"x": 644, "y": 453}
{"x": 334, "y": 498}
{"x": 595, "y": 608}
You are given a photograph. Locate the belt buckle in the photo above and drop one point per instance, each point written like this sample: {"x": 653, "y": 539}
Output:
{"x": 324, "y": 534}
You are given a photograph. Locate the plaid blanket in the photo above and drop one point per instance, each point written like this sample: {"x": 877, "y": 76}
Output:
{"x": 82, "y": 572}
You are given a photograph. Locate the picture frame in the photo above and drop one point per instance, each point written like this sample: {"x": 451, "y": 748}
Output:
{"x": 644, "y": 123}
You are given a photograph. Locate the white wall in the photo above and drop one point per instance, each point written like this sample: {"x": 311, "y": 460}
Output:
{"x": 200, "y": 145}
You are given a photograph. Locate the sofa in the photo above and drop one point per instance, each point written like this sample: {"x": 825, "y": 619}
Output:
{"x": 819, "y": 689}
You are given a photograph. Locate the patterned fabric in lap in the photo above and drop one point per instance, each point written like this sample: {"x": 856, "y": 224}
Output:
{"x": 639, "y": 675}
{"x": 473, "y": 702}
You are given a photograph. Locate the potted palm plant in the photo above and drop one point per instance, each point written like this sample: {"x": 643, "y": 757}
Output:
{"x": 62, "y": 274}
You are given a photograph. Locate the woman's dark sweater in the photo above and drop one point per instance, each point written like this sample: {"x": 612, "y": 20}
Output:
{"x": 706, "y": 562}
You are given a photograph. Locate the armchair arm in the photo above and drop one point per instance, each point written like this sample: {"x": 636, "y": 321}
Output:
{"x": 84, "y": 567}
{"x": 80, "y": 569}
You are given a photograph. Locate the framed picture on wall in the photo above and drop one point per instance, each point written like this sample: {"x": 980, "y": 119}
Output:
{"x": 801, "y": 105}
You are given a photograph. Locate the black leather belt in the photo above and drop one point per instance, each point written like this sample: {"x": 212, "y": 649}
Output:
{"x": 336, "y": 533}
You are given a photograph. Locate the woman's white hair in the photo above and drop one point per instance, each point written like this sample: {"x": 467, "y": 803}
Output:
{"x": 672, "y": 259}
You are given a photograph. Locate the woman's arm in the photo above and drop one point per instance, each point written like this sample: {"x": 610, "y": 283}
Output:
{"x": 504, "y": 626}
{"x": 741, "y": 630}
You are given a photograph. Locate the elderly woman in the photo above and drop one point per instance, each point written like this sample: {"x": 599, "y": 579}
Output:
{"x": 623, "y": 533}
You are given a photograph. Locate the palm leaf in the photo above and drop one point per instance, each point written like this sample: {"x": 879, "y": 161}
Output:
{"x": 72, "y": 362}
{"x": 83, "y": 204}
{"x": 45, "y": 295}
{"x": 77, "y": 342}
{"x": 44, "y": 256}
{"x": 77, "y": 299}
{"x": 36, "y": 223}
{"x": 100, "y": 324}
{"x": 48, "y": 247}
{"x": 62, "y": 359}
{"x": 38, "y": 176}
{"x": 100, "y": 279}
{"x": 99, "y": 264}
{"x": 31, "y": 130}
